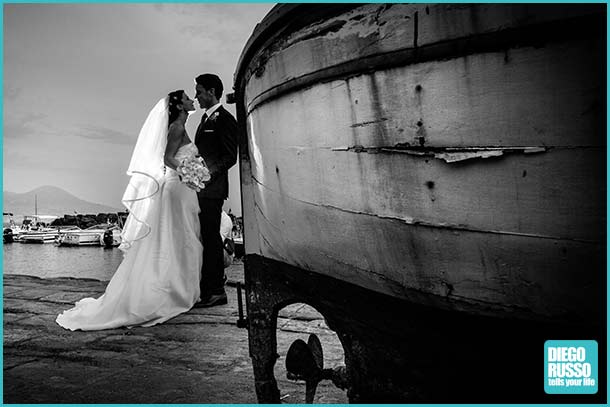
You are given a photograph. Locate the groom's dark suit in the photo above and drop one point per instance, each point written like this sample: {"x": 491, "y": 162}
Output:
{"x": 216, "y": 139}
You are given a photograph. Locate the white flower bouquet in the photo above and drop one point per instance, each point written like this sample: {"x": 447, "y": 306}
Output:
{"x": 193, "y": 172}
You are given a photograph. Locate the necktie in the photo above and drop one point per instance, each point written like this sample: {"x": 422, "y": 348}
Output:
{"x": 200, "y": 127}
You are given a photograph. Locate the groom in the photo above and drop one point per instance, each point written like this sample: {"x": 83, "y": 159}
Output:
{"x": 216, "y": 139}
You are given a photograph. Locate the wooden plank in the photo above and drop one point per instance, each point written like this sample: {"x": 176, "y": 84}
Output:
{"x": 333, "y": 41}
{"x": 375, "y": 29}
{"x": 539, "y": 194}
{"x": 444, "y": 22}
{"x": 474, "y": 272}
{"x": 293, "y": 141}
{"x": 540, "y": 97}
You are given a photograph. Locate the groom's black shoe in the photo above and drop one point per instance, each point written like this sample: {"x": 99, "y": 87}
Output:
{"x": 212, "y": 301}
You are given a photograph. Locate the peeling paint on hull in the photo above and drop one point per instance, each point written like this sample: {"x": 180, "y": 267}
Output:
{"x": 502, "y": 142}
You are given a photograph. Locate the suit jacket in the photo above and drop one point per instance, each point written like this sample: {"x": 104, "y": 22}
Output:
{"x": 216, "y": 139}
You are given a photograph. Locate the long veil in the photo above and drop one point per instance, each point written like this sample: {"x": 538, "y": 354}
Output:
{"x": 146, "y": 169}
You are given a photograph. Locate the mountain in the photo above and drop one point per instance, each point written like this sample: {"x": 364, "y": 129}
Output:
{"x": 51, "y": 201}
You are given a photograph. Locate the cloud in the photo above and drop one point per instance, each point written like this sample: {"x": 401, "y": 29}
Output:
{"x": 213, "y": 21}
{"x": 35, "y": 117}
{"x": 65, "y": 157}
{"x": 25, "y": 125}
{"x": 104, "y": 134}
{"x": 19, "y": 160}
{"x": 11, "y": 92}
{"x": 205, "y": 10}
{"x": 96, "y": 70}
{"x": 36, "y": 126}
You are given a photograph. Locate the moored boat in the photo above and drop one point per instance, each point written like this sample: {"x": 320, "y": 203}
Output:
{"x": 9, "y": 228}
{"x": 34, "y": 228}
{"x": 418, "y": 174}
{"x": 7, "y": 235}
{"x": 43, "y": 234}
{"x": 92, "y": 236}
{"x": 39, "y": 236}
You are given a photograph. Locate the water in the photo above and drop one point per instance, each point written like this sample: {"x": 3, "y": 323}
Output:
{"x": 48, "y": 260}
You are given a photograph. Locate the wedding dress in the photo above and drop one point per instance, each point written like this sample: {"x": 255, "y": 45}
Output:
{"x": 159, "y": 275}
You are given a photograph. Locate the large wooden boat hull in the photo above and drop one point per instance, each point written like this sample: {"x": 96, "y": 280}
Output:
{"x": 445, "y": 156}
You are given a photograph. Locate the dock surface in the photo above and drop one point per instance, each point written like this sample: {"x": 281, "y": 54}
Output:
{"x": 198, "y": 357}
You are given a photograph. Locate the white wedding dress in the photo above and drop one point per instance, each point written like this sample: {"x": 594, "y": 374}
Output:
{"x": 159, "y": 276}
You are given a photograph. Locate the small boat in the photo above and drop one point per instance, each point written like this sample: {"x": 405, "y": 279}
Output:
{"x": 7, "y": 235}
{"x": 39, "y": 236}
{"x": 43, "y": 234}
{"x": 33, "y": 229}
{"x": 97, "y": 235}
{"x": 13, "y": 234}
{"x": 9, "y": 227}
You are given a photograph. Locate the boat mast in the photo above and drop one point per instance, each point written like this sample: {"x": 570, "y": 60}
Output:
{"x": 36, "y": 205}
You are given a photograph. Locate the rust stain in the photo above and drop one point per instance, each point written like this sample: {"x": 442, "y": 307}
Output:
{"x": 364, "y": 124}
{"x": 421, "y": 133}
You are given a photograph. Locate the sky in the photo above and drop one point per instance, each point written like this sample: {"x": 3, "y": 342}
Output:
{"x": 80, "y": 79}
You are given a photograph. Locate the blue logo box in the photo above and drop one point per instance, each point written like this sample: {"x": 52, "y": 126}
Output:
{"x": 570, "y": 367}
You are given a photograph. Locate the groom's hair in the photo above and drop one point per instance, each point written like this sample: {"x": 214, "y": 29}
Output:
{"x": 209, "y": 81}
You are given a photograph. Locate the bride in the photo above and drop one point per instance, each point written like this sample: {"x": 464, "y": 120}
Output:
{"x": 159, "y": 275}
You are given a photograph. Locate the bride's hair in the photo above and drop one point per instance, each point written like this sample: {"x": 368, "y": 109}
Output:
{"x": 174, "y": 99}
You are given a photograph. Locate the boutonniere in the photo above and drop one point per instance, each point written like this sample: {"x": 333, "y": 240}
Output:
{"x": 213, "y": 117}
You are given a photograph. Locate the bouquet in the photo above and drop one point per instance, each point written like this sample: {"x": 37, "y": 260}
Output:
{"x": 193, "y": 172}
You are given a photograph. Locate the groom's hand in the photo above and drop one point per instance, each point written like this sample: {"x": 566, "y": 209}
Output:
{"x": 191, "y": 186}
{"x": 213, "y": 175}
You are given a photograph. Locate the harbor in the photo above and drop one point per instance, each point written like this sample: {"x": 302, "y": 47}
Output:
{"x": 103, "y": 229}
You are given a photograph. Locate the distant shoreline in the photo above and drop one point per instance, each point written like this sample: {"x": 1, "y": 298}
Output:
{"x": 57, "y": 278}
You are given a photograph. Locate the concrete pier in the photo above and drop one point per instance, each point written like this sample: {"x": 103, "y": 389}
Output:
{"x": 197, "y": 357}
